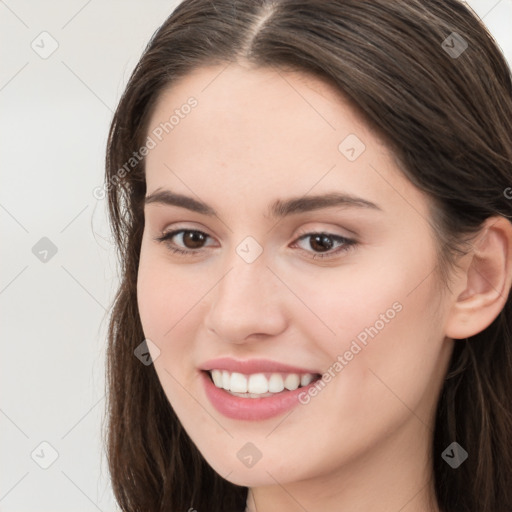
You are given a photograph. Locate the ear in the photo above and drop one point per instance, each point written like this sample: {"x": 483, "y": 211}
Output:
{"x": 484, "y": 284}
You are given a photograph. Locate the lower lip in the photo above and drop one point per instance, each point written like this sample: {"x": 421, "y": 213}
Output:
{"x": 252, "y": 409}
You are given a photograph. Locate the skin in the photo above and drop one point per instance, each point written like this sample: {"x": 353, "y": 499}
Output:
{"x": 257, "y": 135}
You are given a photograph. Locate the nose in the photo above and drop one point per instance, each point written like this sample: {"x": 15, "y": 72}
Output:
{"x": 247, "y": 303}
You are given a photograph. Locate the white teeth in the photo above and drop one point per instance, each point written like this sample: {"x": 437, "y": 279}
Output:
{"x": 292, "y": 381}
{"x": 306, "y": 379}
{"x": 217, "y": 378}
{"x": 226, "y": 377}
{"x": 238, "y": 383}
{"x": 258, "y": 384}
{"x": 275, "y": 383}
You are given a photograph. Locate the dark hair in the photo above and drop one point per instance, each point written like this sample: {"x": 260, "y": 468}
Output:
{"x": 445, "y": 111}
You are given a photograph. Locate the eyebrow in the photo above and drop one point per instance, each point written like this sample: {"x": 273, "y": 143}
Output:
{"x": 278, "y": 209}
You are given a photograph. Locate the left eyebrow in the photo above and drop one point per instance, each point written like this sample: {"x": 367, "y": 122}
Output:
{"x": 278, "y": 209}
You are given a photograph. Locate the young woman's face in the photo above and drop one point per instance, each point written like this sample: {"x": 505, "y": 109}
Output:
{"x": 307, "y": 254}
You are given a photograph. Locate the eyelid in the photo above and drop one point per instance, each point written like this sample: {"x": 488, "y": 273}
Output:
{"x": 185, "y": 227}
{"x": 328, "y": 231}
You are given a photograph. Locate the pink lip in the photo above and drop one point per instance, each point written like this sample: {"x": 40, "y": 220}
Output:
{"x": 252, "y": 409}
{"x": 252, "y": 366}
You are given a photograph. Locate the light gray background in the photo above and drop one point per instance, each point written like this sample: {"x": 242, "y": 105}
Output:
{"x": 55, "y": 113}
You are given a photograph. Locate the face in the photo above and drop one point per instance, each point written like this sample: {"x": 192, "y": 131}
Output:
{"x": 303, "y": 258}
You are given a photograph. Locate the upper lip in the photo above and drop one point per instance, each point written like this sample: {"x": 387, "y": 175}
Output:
{"x": 251, "y": 366}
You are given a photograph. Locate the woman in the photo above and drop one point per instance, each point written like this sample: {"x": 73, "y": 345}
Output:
{"x": 310, "y": 204}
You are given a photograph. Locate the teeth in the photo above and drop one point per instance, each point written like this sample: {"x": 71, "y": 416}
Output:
{"x": 225, "y": 379}
{"x": 217, "y": 378}
{"x": 275, "y": 383}
{"x": 292, "y": 381}
{"x": 238, "y": 383}
{"x": 306, "y": 379}
{"x": 259, "y": 385}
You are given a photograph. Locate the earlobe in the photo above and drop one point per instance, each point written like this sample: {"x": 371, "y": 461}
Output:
{"x": 486, "y": 281}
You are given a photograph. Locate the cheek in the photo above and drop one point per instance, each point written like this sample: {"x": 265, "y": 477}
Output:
{"x": 386, "y": 339}
{"x": 356, "y": 302}
{"x": 167, "y": 301}
{"x": 393, "y": 355}
{"x": 152, "y": 298}
{"x": 164, "y": 294}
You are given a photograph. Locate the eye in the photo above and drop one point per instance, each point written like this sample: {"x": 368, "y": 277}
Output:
{"x": 191, "y": 241}
{"x": 324, "y": 242}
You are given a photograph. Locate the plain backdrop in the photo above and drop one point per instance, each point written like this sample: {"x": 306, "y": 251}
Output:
{"x": 58, "y": 268}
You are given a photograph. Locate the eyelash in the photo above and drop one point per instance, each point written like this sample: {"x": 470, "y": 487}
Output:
{"x": 348, "y": 243}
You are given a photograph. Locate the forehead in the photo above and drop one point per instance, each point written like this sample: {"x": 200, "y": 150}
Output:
{"x": 264, "y": 130}
{"x": 269, "y": 100}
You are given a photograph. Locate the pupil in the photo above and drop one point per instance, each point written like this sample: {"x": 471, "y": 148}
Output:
{"x": 193, "y": 239}
{"x": 322, "y": 242}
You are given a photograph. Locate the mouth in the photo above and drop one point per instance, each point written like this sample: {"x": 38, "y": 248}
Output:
{"x": 255, "y": 389}
{"x": 259, "y": 385}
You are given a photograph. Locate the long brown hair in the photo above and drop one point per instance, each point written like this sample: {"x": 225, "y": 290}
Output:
{"x": 430, "y": 79}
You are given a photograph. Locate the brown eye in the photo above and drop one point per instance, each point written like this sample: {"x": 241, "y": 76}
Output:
{"x": 184, "y": 241}
{"x": 193, "y": 239}
{"x": 325, "y": 245}
{"x": 321, "y": 242}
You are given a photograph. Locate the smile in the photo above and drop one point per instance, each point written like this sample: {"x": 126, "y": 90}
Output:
{"x": 259, "y": 385}
{"x": 254, "y": 390}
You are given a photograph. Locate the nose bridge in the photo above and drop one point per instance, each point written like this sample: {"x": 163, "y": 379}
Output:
{"x": 245, "y": 284}
{"x": 247, "y": 271}
{"x": 245, "y": 300}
